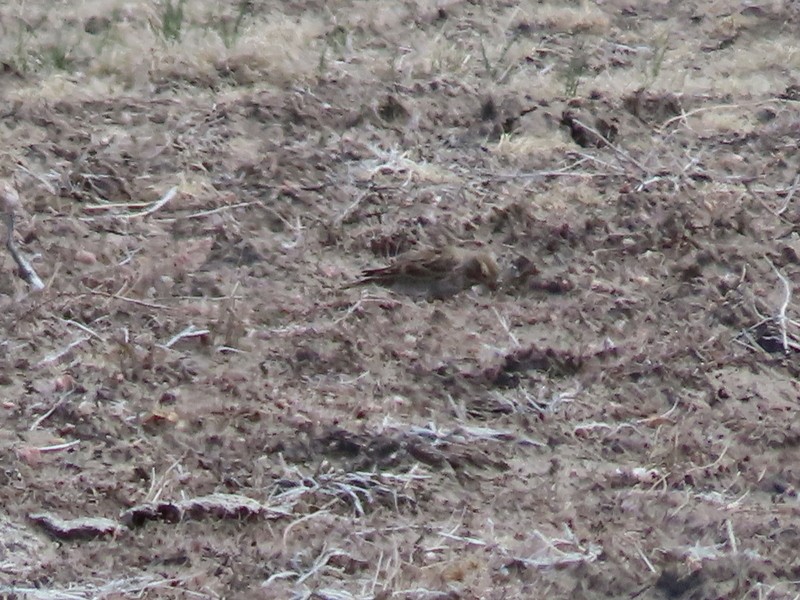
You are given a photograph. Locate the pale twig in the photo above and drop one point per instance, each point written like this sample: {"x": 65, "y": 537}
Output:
{"x": 747, "y": 183}
{"x": 55, "y": 406}
{"x": 63, "y": 352}
{"x": 465, "y": 539}
{"x": 28, "y": 274}
{"x": 59, "y": 447}
{"x": 789, "y": 196}
{"x": 422, "y": 593}
{"x": 206, "y": 213}
{"x": 648, "y": 182}
{"x": 541, "y": 174}
{"x": 644, "y": 558}
{"x": 129, "y": 258}
{"x": 321, "y": 562}
{"x": 506, "y": 328}
{"x": 339, "y": 220}
{"x": 128, "y": 588}
{"x": 45, "y": 594}
{"x": 594, "y": 159}
{"x": 296, "y": 227}
{"x": 296, "y": 522}
{"x": 279, "y": 576}
{"x": 84, "y": 328}
{"x": 171, "y": 193}
{"x": 619, "y": 152}
{"x": 731, "y": 537}
{"x": 230, "y": 349}
{"x": 781, "y": 316}
{"x": 190, "y": 331}
{"x": 588, "y": 427}
{"x": 556, "y": 557}
{"x": 114, "y": 205}
{"x": 132, "y": 300}
{"x": 48, "y": 186}
{"x": 157, "y": 485}
{"x": 459, "y": 409}
{"x": 712, "y": 108}
{"x": 713, "y": 464}
{"x": 563, "y": 171}
{"x": 658, "y": 418}
{"x": 377, "y": 574}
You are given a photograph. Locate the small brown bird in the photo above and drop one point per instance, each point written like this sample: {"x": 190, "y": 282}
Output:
{"x": 435, "y": 274}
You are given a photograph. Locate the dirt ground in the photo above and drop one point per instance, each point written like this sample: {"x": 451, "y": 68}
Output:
{"x": 618, "y": 420}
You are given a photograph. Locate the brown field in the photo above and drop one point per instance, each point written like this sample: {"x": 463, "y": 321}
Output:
{"x": 200, "y": 182}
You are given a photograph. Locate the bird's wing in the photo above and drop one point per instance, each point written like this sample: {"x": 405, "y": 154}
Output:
{"x": 422, "y": 265}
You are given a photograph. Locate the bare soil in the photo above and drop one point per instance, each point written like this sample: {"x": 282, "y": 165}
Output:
{"x": 619, "y": 420}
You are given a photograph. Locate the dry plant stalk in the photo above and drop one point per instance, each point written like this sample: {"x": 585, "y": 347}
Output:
{"x": 83, "y": 528}
{"x": 9, "y": 201}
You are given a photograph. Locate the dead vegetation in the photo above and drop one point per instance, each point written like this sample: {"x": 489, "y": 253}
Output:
{"x": 198, "y": 404}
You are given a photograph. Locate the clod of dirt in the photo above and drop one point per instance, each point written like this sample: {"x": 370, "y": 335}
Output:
{"x": 726, "y": 42}
{"x": 769, "y": 337}
{"x": 554, "y": 362}
{"x": 779, "y": 485}
{"x": 365, "y": 451}
{"x": 340, "y": 442}
{"x": 602, "y": 133}
{"x": 220, "y": 506}
{"x": 765, "y": 115}
{"x": 489, "y": 110}
{"x": 553, "y": 285}
{"x": 651, "y": 107}
{"x": 549, "y": 359}
{"x": 396, "y": 448}
{"x": 503, "y": 117}
{"x": 518, "y": 273}
{"x": 95, "y": 25}
{"x": 392, "y": 110}
{"x": 674, "y": 586}
{"x": 393, "y": 243}
{"x": 426, "y": 454}
{"x": 9, "y": 197}
{"x": 9, "y": 69}
{"x": 792, "y": 93}
{"x": 523, "y": 276}
{"x": 84, "y": 528}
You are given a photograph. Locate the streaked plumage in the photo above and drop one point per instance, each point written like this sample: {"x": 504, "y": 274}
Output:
{"x": 435, "y": 274}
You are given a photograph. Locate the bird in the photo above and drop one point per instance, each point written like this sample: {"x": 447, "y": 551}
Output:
{"x": 435, "y": 274}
